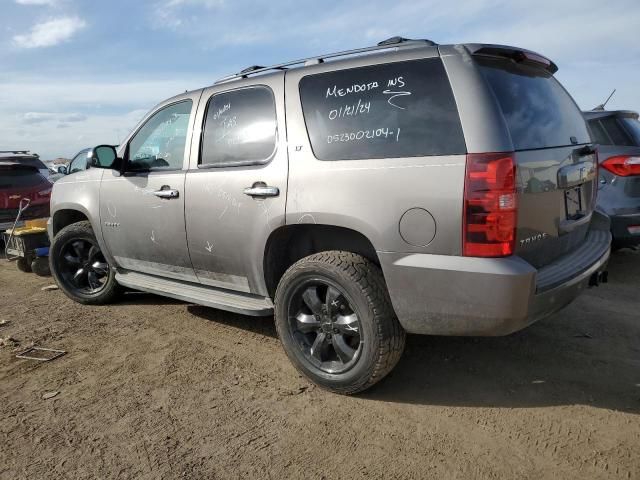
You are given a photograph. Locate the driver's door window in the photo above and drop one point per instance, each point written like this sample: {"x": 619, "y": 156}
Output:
{"x": 79, "y": 163}
{"x": 160, "y": 143}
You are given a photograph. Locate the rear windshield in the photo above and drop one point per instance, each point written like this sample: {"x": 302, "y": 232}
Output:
{"x": 31, "y": 161}
{"x": 612, "y": 130}
{"x": 538, "y": 111}
{"x": 19, "y": 178}
{"x": 633, "y": 127}
{"x": 402, "y": 109}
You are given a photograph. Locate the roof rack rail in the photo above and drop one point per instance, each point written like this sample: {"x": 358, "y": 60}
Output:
{"x": 385, "y": 44}
{"x": 19, "y": 152}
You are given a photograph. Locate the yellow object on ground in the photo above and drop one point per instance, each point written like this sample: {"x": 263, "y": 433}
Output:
{"x": 30, "y": 227}
{"x": 38, "y": 222}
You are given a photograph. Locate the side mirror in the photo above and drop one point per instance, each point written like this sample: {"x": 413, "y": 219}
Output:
{"x": 104, "y": 156}
{"x": 62, "y": 169}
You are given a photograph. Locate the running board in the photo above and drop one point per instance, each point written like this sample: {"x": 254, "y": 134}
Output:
{"x": 237, "y": 302}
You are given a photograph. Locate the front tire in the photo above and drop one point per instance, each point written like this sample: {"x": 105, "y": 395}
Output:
{"x": 79, "y": 267}
{"x": 335, "y": 321}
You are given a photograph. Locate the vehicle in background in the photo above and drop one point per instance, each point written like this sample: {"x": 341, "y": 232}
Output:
{"x": 27, "y": 158}
{"x": 404, "y": 187}
{"x": 617, "y": 132}
{"x": 20, "y": 180}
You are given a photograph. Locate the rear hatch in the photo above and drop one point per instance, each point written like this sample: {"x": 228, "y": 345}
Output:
{"x": 556, "y": 165}
{"x": 18, "y": 181}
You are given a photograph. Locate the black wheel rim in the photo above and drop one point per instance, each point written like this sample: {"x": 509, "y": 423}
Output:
{"x": 325, "y": 326}
{"x": 83, "y": 267}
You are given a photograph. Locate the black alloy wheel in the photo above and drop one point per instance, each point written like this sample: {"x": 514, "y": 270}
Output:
{"x": 82, "y": 266}
{"x": 325, "y": 326}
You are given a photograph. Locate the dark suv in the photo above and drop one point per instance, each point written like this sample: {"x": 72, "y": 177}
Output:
{"x": 17, "y": 181}
{"x": 405, "y": 187}
{"x": 618, "y": 135}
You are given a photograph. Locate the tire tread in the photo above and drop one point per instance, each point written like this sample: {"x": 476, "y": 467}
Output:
{"x": 369, "y": 278}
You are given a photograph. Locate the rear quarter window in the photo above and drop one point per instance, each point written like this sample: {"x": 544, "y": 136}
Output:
{"x": 538, "y": 111}
{"x": 401, "y": 109}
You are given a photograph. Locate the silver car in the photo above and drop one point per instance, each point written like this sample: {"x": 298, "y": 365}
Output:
{"x": 617, "y": 134}
{"x": 405, "y": 187}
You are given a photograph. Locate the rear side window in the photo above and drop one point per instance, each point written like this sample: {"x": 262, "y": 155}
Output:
{"x": 239, "y": 128}
{"x": 402, "y": 109}
{"x": 19, "y": 178}
{"x": 538, "y": 111}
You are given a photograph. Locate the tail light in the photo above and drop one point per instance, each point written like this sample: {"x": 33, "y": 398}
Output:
{"x": 623, "y": 165}
{"x": 490, "y": 209}
{"x": 45, "y": 193}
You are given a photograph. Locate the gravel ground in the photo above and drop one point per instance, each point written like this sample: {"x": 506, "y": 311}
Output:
{"x": 152, "y": 388}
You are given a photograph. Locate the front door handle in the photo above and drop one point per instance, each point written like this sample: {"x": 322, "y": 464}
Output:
{"x": 166, "y": 192}
{"x": 261, "y": 189}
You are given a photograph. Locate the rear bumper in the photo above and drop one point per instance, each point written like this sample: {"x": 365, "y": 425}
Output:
{"x": 448, "y": 295}
{"x": 8, "y": 216}
{"x": 622, "y": 235}
{"x": 7, "y": 225}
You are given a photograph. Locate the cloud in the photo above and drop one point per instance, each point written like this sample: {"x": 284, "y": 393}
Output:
{"x": 167, "y": 12}
{"x": 32, "y": 118}
{"x": 50, "y": 3}
{"x": 197, "y": 3}
{"x": 50, "y": 33}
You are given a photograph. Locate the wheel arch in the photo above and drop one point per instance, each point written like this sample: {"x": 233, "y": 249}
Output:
{"x": 290, "y": 243}
{"x": 67, "y": 216}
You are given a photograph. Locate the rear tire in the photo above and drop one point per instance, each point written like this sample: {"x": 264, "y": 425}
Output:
{"x": 79, "y": 268}
{"x": 23, "y": 265}
{"x": 334, "y": 318}
{"x": 40, "y": 266}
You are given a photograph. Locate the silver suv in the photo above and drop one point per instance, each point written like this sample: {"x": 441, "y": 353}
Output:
{"x": 405, "y": 187}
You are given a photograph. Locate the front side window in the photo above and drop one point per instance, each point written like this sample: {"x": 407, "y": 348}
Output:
{"x": 239, "y": 128}
{"x": 160, "y": 143}
{"x": 79, "y": 163}
{"x": 401, "y": 109}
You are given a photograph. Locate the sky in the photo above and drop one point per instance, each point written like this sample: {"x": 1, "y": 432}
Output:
{"x": 78, "y": 73}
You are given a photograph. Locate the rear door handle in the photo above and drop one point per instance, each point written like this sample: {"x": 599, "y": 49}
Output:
{"x": 261, "y": 189}
{"x": 167, "y": 192}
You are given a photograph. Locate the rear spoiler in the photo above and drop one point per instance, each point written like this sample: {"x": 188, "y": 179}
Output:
{"x": 17, "y": 166}
{"x": 518, "y": 55}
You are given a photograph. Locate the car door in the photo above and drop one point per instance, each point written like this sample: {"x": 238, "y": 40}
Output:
{"x": 142, "y": 210}
{"x": 236, "y": 187}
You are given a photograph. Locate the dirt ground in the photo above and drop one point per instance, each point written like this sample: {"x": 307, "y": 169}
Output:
{"x": 152, "y": 388}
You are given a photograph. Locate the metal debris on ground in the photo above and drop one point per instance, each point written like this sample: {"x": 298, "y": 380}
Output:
{"x": 8, "y": 341}
{"x": 41, "y": 354}
{"x": 49, "y": 287}
{"x": 49, "y": 395}
{"x": 4, "y": 322}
